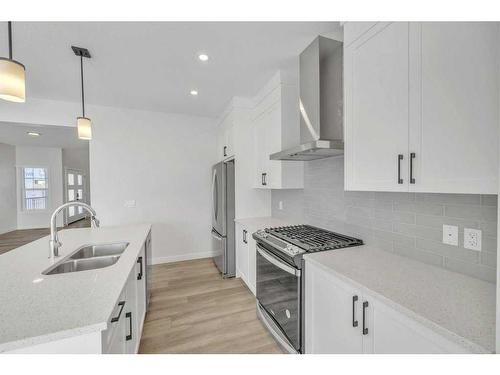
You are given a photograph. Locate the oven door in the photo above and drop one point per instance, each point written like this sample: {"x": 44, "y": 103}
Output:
{"x": 278, "y": 292}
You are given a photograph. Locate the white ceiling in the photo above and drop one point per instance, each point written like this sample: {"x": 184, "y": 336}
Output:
{"x": 154, "y": 65}
{"x": 51, "y": 136}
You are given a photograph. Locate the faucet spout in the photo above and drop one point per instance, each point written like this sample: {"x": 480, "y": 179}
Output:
{"x": 54, "y": 243}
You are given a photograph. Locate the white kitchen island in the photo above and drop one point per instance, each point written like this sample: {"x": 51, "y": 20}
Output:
{"x": 93, "y": 311}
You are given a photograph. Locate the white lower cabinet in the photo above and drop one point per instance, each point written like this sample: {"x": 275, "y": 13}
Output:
{"x": 113, "y": 339}
{"x": 343, "y": 319}
{"x": 245, "y": 256}
{"x": 125, "y": 325}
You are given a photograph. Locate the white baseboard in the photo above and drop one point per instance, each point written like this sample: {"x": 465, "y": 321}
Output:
{"x": 3, "y": 231}
{"x": 180, "y": 257}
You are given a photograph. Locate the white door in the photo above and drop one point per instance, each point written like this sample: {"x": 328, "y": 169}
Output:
{"x": 260, "y": 171}
{"x": 131, "y": 319}
{"x": 242, "y": 252}
{"x": 333, "y": 315}
{"x": 390, "y": 332}
{"x": 141, "y": 290}
{"x": 252, "y": 263}
{"x": 454, "y": 126}
{"x": 75, "y": 191}
{"x": 273, "y": 144}
{"x": 377, "y": 109}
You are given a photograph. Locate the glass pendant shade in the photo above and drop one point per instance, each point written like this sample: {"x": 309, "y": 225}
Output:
{"x": 12, "y": 81}
{"x": 84, "y": 126}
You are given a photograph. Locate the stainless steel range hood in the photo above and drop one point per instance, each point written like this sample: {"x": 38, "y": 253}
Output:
{"x": 320, "y": 103}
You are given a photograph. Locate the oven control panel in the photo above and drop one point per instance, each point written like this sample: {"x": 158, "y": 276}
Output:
{"x": 285, "y": 247}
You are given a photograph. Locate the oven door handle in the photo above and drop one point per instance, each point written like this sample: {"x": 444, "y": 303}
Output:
{"x": 277, "y": 262}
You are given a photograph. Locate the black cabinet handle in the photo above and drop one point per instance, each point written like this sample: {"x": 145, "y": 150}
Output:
{"x": 354, "y": 321}
{"x": 400, "y": 157}
{"x": 117, "y": 318}
{"x": 412, "y": 156}
{"x": 264, "y": 182}
{"x": 365, "y": 330}
{"x": 139, "y": 275}
{"x": 245, "y": 236}
{"x": 225, "y": 150}
{"x": 129, "y": 336}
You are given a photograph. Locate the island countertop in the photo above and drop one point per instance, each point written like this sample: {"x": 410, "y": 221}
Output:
{"x": 37, "y": 308}
{"x": 458, "y": 307}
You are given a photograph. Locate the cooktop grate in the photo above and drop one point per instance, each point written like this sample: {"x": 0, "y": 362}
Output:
{"x": 312, "y": 238}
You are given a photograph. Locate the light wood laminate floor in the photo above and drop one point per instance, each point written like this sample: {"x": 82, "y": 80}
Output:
{"x": 18, "y": 238}
{"x": 194, "y": 310}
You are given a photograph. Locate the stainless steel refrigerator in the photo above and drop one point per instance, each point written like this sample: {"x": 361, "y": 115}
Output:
{"x": 223, "y": 243}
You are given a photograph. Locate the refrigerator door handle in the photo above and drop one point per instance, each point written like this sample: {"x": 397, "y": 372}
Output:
{"x": 215, "y": 196}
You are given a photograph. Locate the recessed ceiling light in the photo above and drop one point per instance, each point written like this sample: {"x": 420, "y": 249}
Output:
{"x": 34, "y": 134}
{"x": 194, "y": 92}
{"x": 203, "y": 57}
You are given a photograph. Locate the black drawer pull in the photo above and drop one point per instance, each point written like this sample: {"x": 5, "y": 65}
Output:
{"x": 129, "y": 336}
{"x": 225, "y": 150}
{"x": 245, "y": 236}
{"x": 139, "y": 275}
{"x": 365, "y": 329}
{"x": 400, "y": 180}
{"x": 412, "y": 179}
{"x": 264, "y": 182}
{"x": 117, "y": 318}
{"x": 354, "y": 321}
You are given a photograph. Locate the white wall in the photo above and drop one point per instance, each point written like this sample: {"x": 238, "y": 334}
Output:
{"x": 163, "y": 162}
{"x": 8, "y": 207}
{"x": 51, "y": 159}
{"x": 77, "y": 158}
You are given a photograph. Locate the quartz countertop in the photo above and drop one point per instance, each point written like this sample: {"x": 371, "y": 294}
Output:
{"x": 458, "y": 307}
{"x": 38, "y": 308}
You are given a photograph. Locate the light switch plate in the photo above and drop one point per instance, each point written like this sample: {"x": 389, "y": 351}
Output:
{"x": 130, "y": 203}
{"x": 450, "y": 235}
{"x": 472, "y": 239}
{"x": 280, "y": 205}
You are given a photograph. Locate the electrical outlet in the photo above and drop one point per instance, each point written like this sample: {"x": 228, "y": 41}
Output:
{"x": 472, "y": 239}
{"x": 280, "y": 205}
{"x": 450, "y": 235}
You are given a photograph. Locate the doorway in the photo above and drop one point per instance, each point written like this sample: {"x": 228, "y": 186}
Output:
{"x": 75, "y": 190}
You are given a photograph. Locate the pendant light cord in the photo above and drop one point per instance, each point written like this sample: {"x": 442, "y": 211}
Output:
{"x": 9, "y": 23}
{"x": 83, "y": 92}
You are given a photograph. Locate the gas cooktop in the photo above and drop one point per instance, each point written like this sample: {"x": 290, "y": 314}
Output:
{"x": 295, "y": 240}
{"x": 313, "y": 239}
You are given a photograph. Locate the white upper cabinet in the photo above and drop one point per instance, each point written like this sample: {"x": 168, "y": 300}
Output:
{"x": 225, "y": 136}
{"x": 421, "y": 107}
{"x": 454, "y": 126}
{"x": 376, "y": 115}
{"x": 276, "y": 127}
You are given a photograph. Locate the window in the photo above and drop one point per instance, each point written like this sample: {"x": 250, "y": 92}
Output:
{"x": 35, "y": 188}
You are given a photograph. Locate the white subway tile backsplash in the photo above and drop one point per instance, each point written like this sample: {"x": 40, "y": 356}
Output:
{"x": 449, "y": 251}
{"x": 410, "y": 224}
{"x": 417, "y": 254}
{"x": 475, "y": 270}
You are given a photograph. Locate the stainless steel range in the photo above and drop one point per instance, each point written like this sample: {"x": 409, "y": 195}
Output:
{"x": 279, "y": 277}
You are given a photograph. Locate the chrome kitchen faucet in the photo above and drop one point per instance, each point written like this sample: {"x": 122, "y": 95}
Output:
{"x": 54, "y": 243}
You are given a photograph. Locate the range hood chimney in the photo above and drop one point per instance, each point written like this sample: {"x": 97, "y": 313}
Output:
{"x": 320, "y": 103}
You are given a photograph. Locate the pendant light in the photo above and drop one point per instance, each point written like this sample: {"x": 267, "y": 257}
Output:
{"x": 12, "y": 76}
{"x": 84, "y": 124}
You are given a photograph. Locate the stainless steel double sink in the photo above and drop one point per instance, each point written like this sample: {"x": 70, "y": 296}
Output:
{"x": 89, "y": 257}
